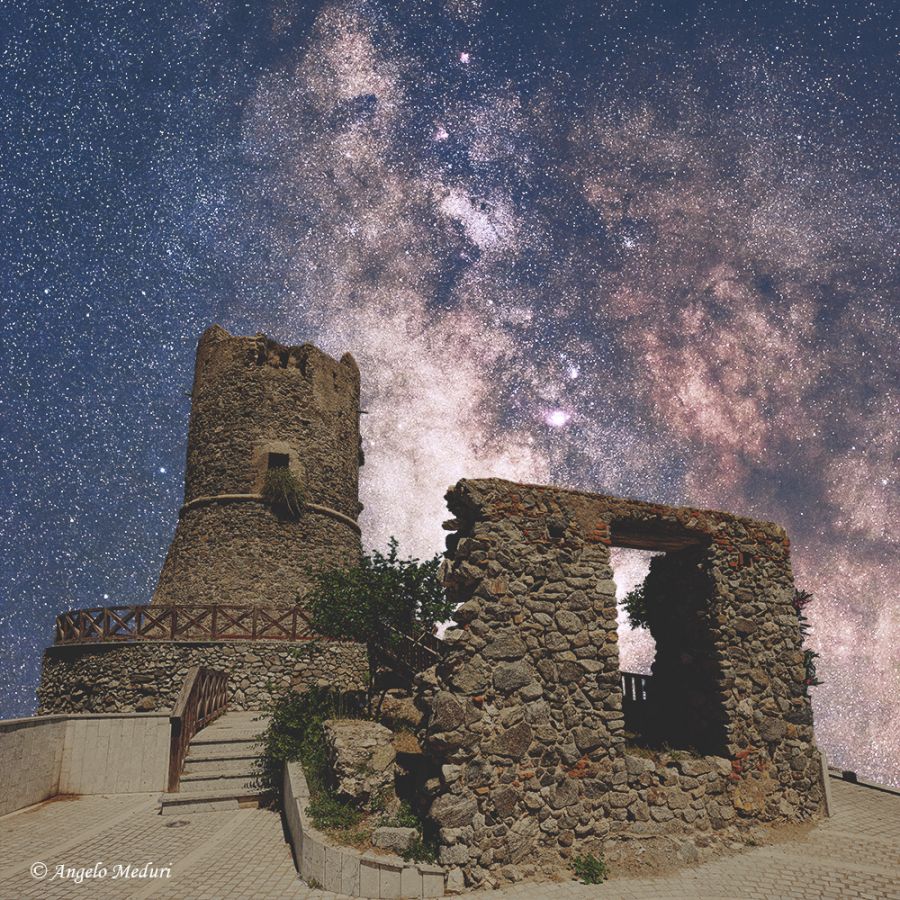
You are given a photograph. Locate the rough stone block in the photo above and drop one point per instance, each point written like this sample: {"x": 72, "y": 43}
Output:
{"x": 396, "y": 840}
{"x": 361, "y": 755}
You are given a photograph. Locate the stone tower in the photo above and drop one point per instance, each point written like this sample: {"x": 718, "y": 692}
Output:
{"x": 257, "y": 405}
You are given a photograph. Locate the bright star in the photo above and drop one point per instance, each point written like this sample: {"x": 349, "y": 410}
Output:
{"x": 464, "y": 58}
{"x": 557, "y": 418}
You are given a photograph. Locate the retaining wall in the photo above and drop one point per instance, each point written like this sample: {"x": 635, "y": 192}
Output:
{"x": 147, "y": 676}
{"x": 43, "y": 756}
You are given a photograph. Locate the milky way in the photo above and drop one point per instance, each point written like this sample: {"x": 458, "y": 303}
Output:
{"x": 640, "y": 254}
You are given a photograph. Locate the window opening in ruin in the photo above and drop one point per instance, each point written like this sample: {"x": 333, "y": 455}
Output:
{"x": 278, "y": 460}
{"x": 637, "y": 648}
{"x": 679, "y": 705}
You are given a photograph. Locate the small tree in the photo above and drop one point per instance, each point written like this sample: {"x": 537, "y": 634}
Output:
{"x": 365, "y": 602}
{"x": 801, "y": 600}
{"x": 635, "y": 603}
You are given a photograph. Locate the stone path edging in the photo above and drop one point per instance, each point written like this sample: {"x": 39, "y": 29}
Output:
{"x": 342, "y": 869}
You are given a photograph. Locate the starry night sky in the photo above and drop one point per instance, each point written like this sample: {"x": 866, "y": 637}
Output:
{"x": 641, "y": 248}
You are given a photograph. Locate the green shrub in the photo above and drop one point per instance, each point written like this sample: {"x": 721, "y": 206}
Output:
{"x": 284, "y": 491}
{"x": 295, "y": 732}
{"x": 327, "y": 812}
{"x": 635, "y": 604}
{"x": 421, "y": 850}
{"x": 364, "y": 602}
{"x": 404, "y": 818}
{"x": 589, "y": 869}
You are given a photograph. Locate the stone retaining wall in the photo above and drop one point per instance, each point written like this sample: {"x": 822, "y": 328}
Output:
{"x": 148, "y": 676}
{"x": 43, "y": 756}
{"x": 526, "y": 707}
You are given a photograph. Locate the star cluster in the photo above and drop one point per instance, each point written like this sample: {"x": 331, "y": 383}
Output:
{"x": 624, "y": 247}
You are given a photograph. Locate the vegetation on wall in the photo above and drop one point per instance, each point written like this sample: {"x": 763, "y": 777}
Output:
{"x": 590, "y": 869}
{"x": 296, "y": 733}
{"x": 284, "y": 491}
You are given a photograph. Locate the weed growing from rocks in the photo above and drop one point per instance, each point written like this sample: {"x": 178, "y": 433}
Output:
{"x": 590, "y": 869}
{"x": 285, "y": 492}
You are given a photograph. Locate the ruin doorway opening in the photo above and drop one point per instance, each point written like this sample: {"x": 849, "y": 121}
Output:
{"x": 680, "y": 705}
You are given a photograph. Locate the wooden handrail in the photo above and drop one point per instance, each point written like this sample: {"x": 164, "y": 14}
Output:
{"x": 409, "y": 652}
{"x": 192, "y": 622}
{"x": 203, "y": 698}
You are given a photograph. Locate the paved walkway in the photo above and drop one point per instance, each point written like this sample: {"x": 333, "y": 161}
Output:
{"x": 242, "y": 854}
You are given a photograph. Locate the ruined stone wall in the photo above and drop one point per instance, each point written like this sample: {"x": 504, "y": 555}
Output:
{"x": 148, "y": 676}
{"x": 526, "y": 707}
{"x": 253, "y": 397}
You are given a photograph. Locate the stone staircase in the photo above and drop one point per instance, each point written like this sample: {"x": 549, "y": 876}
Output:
{"x": 220, "y": 768}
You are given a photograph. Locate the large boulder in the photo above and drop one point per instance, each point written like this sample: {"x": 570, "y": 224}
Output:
{"x": 361, "y": 755}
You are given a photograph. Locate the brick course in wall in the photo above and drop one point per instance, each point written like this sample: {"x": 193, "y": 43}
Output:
{"x": 526, "y": 707}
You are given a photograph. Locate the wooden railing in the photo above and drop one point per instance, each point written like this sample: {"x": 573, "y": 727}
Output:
{"x": 203, "y": 698}
{"x": 634, "y": 686}
{"x": 410, "y": 653}
{"x": 206, "y": 622}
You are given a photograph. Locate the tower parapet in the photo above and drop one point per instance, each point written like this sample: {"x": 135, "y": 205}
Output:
{"x": 257, "y": 405}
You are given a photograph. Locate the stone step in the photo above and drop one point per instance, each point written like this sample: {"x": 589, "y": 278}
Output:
{"x": 241, "y": 782}
{"x": 236, "y": 765}
{"x": 209, "y": 801}
{"x": 225, "y": 737}
{"x": 209, "y": 752}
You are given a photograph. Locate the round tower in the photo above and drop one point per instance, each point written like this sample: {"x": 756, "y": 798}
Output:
{"x": 257, "y": 405}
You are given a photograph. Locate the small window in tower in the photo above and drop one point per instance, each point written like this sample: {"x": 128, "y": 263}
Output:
{"x": 278, "y": 460}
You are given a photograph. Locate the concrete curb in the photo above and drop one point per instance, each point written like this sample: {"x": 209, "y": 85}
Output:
{"x": 853, "y": 778}
{"x": 342, "y": 869}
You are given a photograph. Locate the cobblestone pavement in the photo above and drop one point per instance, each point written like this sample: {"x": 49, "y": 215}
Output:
{"x": 242, "y": 854}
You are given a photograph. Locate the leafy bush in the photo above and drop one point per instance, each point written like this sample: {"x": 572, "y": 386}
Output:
{"x": 329, "y": 813}
{"x": 295, "y": 732}
{"x": 403, "y": 818}
{"x": 635, "y": 603}
{"x": 421, "y": 850}
{"x": 589, "y": 869}
{"x": 365, "y": 602}
{"x": 284, "y": 491}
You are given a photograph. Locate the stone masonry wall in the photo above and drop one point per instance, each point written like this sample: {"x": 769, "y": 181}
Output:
{"x": 253, "y": 397}
{"x": 243, "y": 553}
{"x": 526, "y": 706}
{"x": 148, "y": 676}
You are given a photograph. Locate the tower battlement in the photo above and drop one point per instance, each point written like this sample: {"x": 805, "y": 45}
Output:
{"x": 257, "y": 404}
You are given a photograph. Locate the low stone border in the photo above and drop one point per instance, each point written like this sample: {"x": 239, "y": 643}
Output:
{"x": 342, "y": 869}
{"x": 852, "y": 778}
